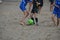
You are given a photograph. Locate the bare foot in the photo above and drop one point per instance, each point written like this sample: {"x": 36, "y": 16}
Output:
{"x": 22, "y": 23}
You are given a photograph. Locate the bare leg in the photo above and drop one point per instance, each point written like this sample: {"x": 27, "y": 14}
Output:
{"x": 40, "y": 9}
{"x": 36, "y": 19}
{"x": 53, "y": 18}
{"x": 35, "y": 15}
{"x": 24, "y": 17}
{"x": 56, "y": 21}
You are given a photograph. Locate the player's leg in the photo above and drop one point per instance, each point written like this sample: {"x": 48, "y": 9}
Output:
{"x": 53, "y": 19}
{"x": 40, "y": 7}
{"x": 35, "y": 11}
{"x": 24, "y": 17}
{"x": 25, "y": 12}
{"x": 55, "y": 16}
{"x": 57, "y": 21}
{"x": 36, "y": 18}
{"x": 58, "y": 18}
{"x": 35, "y": 14}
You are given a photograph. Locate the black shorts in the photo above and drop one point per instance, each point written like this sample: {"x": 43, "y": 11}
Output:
{"x": 51, "y": 1}
{"x": 34, "y": 9}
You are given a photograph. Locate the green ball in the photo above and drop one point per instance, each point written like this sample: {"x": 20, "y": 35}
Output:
{"x": 30, "y": 21}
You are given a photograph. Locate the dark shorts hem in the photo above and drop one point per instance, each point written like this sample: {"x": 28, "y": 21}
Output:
{"x": 34, "y": 11}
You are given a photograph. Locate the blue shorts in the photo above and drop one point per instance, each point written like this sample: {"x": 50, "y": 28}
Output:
{"x": 56, "y": 11}
{"x": 23, "y": 6}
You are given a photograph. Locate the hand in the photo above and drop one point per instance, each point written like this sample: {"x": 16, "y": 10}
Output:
{"x": 57, "y": 6}
{"x": 38, "y": 3}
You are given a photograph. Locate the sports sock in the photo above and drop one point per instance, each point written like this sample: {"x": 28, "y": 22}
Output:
{"x": 36, "y": 19}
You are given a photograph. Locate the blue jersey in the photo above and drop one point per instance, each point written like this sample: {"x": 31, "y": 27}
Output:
{"x": 57, "y": 2}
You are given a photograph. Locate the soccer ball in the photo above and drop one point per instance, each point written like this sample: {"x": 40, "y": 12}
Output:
{"x": 30, "y": 21}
